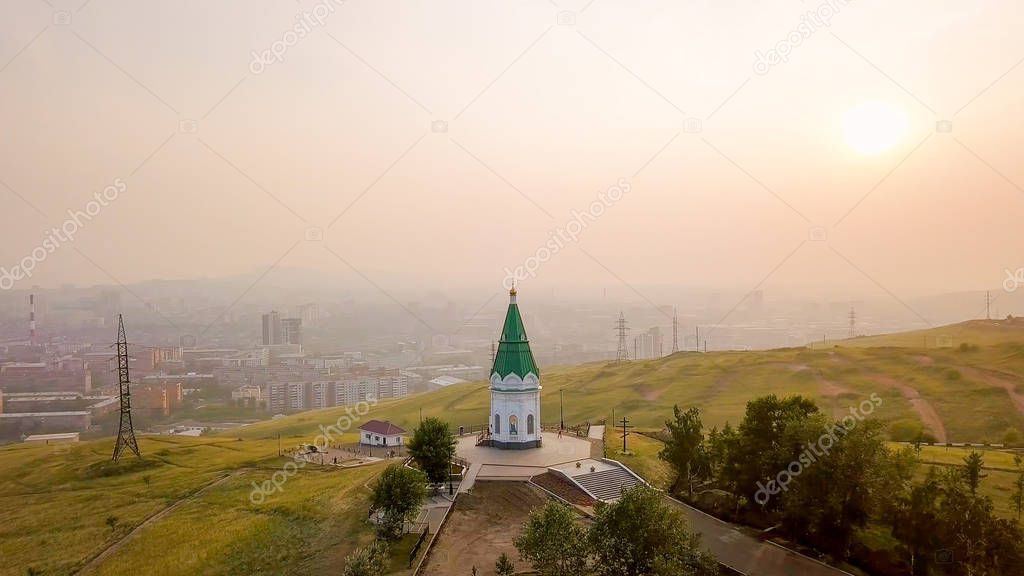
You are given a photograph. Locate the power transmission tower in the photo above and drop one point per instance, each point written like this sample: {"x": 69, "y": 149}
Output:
{"x": 622, "y": 354}
{"x": 853, "y": 323}
{"x": 125, "y": 432}
{"x": 675, "y": 331}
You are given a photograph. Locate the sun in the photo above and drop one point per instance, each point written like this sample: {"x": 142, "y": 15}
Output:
{"x": 874, "y": 127}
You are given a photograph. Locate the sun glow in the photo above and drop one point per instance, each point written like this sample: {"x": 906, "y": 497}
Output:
{"x": 874, "y": 127}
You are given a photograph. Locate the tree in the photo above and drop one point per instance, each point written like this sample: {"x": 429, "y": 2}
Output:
{"x": 833, "y": 494}
{"x": 683, "y": 449}
{"x": 504, "y": 566}
{"x": 397, "y": 495}
{"x": 641, "y": 535}
{"x": 756, "y": 452}
{"x": 914, "y": 523}
{"x": 973, "y": 540}
{"x": 111, "y": 521}
{"x": 432, "y": 447}
{"x": 554, "y": 542}
{"x": 973, "y": 464}
{"x": 369, "y": 561}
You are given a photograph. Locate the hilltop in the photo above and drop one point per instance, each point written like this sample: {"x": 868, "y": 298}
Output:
{"x": 959, "y": 383}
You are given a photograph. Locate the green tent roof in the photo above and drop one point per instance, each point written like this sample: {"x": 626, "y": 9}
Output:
{"x": 514, "y": 355}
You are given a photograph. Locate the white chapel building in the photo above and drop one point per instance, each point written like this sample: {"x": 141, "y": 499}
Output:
{"x": 515, "y": 387}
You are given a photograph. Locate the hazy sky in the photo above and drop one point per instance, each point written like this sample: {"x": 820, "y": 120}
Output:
{"x": 226, "y": 165}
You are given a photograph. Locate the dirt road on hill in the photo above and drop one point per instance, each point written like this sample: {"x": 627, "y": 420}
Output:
{"x": 110, "y": 550}
{"x": 925, "y": 411}
{"x": 1008, "y": 382}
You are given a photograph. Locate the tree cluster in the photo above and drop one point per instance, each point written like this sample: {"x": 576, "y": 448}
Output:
{"x": 640, "y": 535}
{"x": 820, "y": 480}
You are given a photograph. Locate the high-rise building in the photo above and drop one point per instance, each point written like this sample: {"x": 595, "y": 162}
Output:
{"x": 278, "y": 330}
{"x": 292, "y": 328}
{"x": 322, "y": 395}
{"x": 310, "y": 313}
{"x": 649, "y": 344}
{"x": 272, "y": 329}
{"x": 288, "y": 396}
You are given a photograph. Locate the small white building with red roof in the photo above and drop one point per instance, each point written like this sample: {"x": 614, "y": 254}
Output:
{"x": 381, "y": 433}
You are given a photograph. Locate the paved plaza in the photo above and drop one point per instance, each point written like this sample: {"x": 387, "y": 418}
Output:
{"x": 488, "y": 463}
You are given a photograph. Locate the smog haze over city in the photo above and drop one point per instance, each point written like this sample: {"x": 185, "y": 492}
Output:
{"x": 740, "y": 163}
{"x": 268, "y": 270}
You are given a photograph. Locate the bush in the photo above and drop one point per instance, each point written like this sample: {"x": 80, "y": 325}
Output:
{"x": 909, "y": 430}
{"x": 369, "y": 561}
{"x": 1012, "y": 437}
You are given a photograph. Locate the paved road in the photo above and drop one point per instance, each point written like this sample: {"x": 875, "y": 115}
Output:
{"x": 748, "y": 554}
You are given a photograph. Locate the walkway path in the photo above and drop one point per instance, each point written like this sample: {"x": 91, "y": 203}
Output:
{"x": 745, "y": 553}
{"x": 470, "y": 479}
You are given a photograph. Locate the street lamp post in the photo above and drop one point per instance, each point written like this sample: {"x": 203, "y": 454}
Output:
{"x": 561, "y": 409}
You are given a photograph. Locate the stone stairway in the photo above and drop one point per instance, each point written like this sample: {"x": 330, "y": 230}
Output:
{"x": 563, "y": 488}
{"x": 607, "y": 485}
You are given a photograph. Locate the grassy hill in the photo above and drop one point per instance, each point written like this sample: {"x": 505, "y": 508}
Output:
{"x": 56, "y": 501}
{"x": 974, "y": 393}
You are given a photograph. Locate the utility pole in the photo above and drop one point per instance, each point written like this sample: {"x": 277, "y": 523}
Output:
{"x": 988, "y": 305}
{"x": 625, "y": 432}
{"x": 561, "y": 409}
{"x": 853, "y": 323}
{"x": 696, "y": 345}
{"x": 675, "y": 331}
